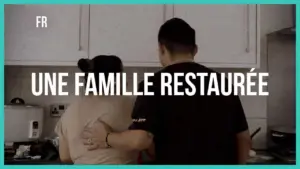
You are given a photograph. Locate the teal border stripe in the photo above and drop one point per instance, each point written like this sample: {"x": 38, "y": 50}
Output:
{"x": 145, "y": 2}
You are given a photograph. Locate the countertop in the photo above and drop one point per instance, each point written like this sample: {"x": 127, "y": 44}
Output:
{"x": 45, "y": 162}
{"x": 252, "y": 161}
{"x": 32, "y": 162}
{"x": 261, "y": 160}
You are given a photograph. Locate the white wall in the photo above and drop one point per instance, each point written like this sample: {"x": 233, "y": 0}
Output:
{"x": 273, "y": 17}
{"x": 282, "y": 81}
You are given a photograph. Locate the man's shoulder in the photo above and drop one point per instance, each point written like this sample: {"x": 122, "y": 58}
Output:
{"x": 154, "y": 78}
{"x": 210, "y": 71}
{"x": 203, "y": 68}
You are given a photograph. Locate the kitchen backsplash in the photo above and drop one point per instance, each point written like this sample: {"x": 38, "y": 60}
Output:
{"x": 18, "y": 84}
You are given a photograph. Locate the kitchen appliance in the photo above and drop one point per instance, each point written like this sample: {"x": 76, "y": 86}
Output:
{"x": 23, "y": 123}
{"x": 284, "y": 136}
{"x": 283, "y": 143}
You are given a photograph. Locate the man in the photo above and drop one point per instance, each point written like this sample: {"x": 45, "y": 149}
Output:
{"x": 184, "y": 129}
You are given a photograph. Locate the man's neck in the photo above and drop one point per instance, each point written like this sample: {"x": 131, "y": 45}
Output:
{"x": 180, "y": 60}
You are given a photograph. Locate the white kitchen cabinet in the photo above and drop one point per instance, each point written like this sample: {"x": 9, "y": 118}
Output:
{"x": 226, "y": 35}
{"x": 128, "y": 31}
{"x": 62, "y": 42}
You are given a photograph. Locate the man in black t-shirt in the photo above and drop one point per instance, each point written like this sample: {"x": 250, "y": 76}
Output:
{"x": 197, "y": 129}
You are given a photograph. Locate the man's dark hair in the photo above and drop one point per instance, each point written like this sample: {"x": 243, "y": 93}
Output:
{"x": 177, "y": 36}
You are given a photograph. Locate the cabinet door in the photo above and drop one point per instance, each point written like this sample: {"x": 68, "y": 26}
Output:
{"x": 226, "y": 34}
{"x": 128, "y": 31}
{"x": 60, "y": 43}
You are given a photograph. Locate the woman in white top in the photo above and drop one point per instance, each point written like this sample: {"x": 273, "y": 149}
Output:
{"x": 113, "y": 110}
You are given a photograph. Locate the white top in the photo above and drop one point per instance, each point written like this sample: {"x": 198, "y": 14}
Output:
{"x": 113, "y": 110}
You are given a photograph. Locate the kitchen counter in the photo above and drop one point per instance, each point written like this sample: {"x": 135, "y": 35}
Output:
{"x": 43, "y": 148}
{"x": 32, "y": 162}
{"x": 269, "y": 162}
{"x": 44, "y": 162}
{"x": 252, "y": 161}
{"x": 260, "y": 160}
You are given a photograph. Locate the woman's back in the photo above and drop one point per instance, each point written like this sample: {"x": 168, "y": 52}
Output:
{"x": 113, "y": 110}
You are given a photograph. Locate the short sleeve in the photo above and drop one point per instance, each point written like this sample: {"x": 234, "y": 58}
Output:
{"x": 60, "y": 130}
{"x": 240, "y": 122}
{"x": 144, "y": 113}
{"x": 61, "y": 126}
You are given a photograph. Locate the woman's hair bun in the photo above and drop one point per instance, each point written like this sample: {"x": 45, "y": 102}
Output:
{"x": 84, "y": 65}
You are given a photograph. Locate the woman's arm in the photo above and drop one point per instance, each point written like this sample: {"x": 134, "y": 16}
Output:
{"x": 64, "y": 152}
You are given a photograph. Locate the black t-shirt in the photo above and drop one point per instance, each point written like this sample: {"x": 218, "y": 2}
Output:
{"x": 190, "y": 129}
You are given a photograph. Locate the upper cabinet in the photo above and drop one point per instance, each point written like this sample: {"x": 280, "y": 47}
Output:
{"x": 128, "y": 31}
{"x": 62, "y": 42}
{"x": 226, "y": 35}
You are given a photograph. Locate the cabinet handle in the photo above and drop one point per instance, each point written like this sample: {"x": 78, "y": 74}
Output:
{"x": 247, "y": 28}
{"x": 79, "y": 24}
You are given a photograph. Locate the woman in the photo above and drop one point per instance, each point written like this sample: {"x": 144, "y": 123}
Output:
{"x": 113, "y": 110}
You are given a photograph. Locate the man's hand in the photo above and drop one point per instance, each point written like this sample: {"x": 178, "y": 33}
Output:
{"x": 244, "y": 146}
{"x": 94, "y": 136}
{"x": 131, "y": 140}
